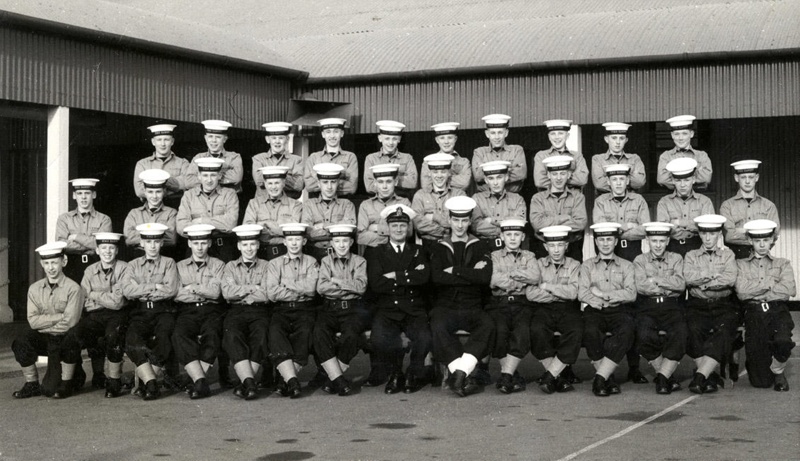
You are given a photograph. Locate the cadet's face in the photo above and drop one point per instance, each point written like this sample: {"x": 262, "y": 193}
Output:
{"x": 761, "y": 245}
{"x": 459, "y": 225}
{"x": 447, "y": 143}
{"x": 385, "y": 186}
{"x": 747, "y": 181}
{"x": 199, "y": 248}
{"x": 274, "y": 187}
{"x": 619, "y": 184}
{"x": 559, "y": 179}
{"x": 389, "y": 142}
{"x": 439, "y": 178}
{"x": 215, "y": 142}
{"x": 209, "y": 180}
{"x": 152, "y": 247}
{"x": 709, "y": 239}
{"x": 84, "y": 198}
{"x": 294, "y": 244}
{"x": 53, "y": 266}
{"x": 682, "y": 138}
{"x": 398, "y": 232}
{"x": 496, "y": 182}
{"x": 558, "y": 138}
{"x": 616, "y": 142}
{"x": 658, "y": 244}
{"x": 277, "y": 143}
{"x": 163, "y": 144}
{"x": 556, "y": 250}
{"x": 327, "y": 188}
{"x": 513, "y": 239}
{"x": 154, "y": 196}
{"x": 249, "y": 248}
{"x": 332, "y": 136}
{"x": 341, "y": 245}
{"x": 497, "y": 136}
{"x": 684, "y": 186}
{"x": 107, "y": 252}
{"x": 605, "y": 244}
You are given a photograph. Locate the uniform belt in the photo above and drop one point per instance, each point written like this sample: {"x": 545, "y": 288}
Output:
{"x": 294, "y": 304}
{"x": 340, "y": 304}
{"x": 763, "y": 306}
{"x": 709, "y": 300}
{"x": 199, "y": 304}
{"x": 509, "y": 299}
{"x": 254, "y": 305}
{"x": 152, "y": 306}
{"x": 623, "y": 243}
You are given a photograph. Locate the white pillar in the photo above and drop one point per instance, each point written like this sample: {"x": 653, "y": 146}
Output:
{"x": 57, "y": 166}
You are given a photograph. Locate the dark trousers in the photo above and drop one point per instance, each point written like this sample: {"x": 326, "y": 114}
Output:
{"x": 445, "y": 321}
{"x": 102, "y": 332}
{"x": 143, "y": 326}
{"x": 615, "y": 320}
{"x": 245, "y": 331}
{"x": 387, "y": 345}
{"x": 666, "y": 316}
{"x": 289, "y": 335}
{"x": 329, "y": 322}
{"x": 768, "y": 329}
{"x": 511, "y": 323}
{"x": 58, "y": 348}
{"x": 77, "y": 264}
{"x": 198, "y": 332}
{"x": 711, "y": 326}
{"x": 685, "y": 245}
{"x": 564, "y": 317}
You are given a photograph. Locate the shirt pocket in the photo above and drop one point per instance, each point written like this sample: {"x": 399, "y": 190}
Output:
{"x": 60, "y": 306}
{"x": 616, "y": 277}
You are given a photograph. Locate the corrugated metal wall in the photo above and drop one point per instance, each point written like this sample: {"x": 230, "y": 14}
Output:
{"x": 714, "y": 91}
{"x": 46, "y": 69}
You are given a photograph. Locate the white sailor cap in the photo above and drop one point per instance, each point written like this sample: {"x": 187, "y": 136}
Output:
{"x": 760, "y": 228}
{"x": 606, "y": 229}
{"x": 439, "y": 161}
{"x": 326, "y": 123}
{"x": 155, "y": 178}
{"x": 710, "y": 222}
{"x": 389, "y": 127}
{"x": 512, "y": 225}
{"x": 616, "y": 128}
{"x": 746, "y": 166}
{"x": 398, "y": 213}
{"x": 274, "y": 171}
{"x": 248, "y": 231}
{"x": 558, "y": 125}
{"x": 216, "y": 126}
{"x": 161, "y": 129}
{"x": 51, "y": 250}
{"x": 445, "y": 128}
{"x": 657, "y": 228}
{"x": 209, "y": 163}
{"x": 558, "y": 162}
{"x": 496, "y": 120}
{"x": 277, "y": 128}
{"x": 495, "y": 167}
{"x": 198, "y": 231}
{"x": 682, "y": 167}
{"x": 681, "y": 122}
{"x": 107, "y": 237}
{"x": 84, "y": 183}
{"x": 555, "y": 233}
{"x": 461, "y": 206}
{"x": 151, "y": 230}
{"x": 384, "y": 170}
{"x": 617, "y": 169}
{"x": 328, "y": 170}
{"x": 294, "y": 228}
{"x": 342, "y": 230}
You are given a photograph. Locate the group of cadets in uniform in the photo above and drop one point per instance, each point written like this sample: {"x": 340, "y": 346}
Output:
{"x": 287, "y": 282}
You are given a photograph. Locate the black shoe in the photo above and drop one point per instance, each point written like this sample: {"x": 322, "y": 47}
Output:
{"x": 395, "y": 384}
{"x": 612, "y": 387}
{"x": 698, "y": 384}
{"x": 570, "y": 376}
{"x": 662, "y": 385}
{"x": 540, "y": 378}
{"x": 250, "y": 389}
{"x": 413, "y": 384}
{"x": 328, "y": 388}
{"x": 518, "y": 382}
{"x": 280, "y": 387}
{"x": 548, "y": 385}
{"x": 139, "y": 391}
{"x": 781, "y": 385}
{"x": 600, "y": 386}
{"x": 733, "y": 371}
{"x": 458, "y": 383}
{"x": 99, "y": 380}
{"x": 674, "y": 385}
{"x": 238, "y": 391}
{"x": 151, "y": 390}
{"x": 201, "y": 389}
{"x": 635, "y": 376}
{"x": 505, "y": 383}
{"x": 563, "y": 385}
{"x": 30, "y": 389}
{"x": 64, "y": 389}
{"x": 113, "y": 388}
{"x": 713, "y": 383}
{"x": 342, "y": 386}
{"x": 293, "y": 388}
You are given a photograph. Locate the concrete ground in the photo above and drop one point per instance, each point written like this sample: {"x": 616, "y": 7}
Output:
{"x": 739, "y": 422}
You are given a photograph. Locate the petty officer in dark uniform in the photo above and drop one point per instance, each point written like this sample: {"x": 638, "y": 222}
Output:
{"x": 513, "y": 271}
{"x": 198, "y": 326}
{"x": 616, "y": 137}
{"x": 558, "y": 134}
{"x": 77, "y": 228}
{"x": 54, "y": 308}
{"x": 151, "y": 283}
{"x": 496, "y": 204}
{"x": 497, "y": 132}
{"x": 461, "y": 270}
{"x": 607, "y": 285}
{"x": 342, "y": 282}
{"x": 682, "y": 134}
{"x": 764, "y": 284}
{"x": 397, "y": 270}
{"x": 164, "y": 159}
{"x": 461, "y": 173}
{"x": 390, "y": 134}
{"x": 431, "y": 222}
{"x": 153, "y": 210}
{"x": 661, "y": 288}
{"x": 326, "y": 209}
{"x": 292, "y": 288}
{"x": 712, "y": 313}
{"x": 232, "y": 170}
{"x": 102, "y": 326}
{"x": 332, "y": 131}
{"x": 279, "y": 138}
{"x": 244, "y": 286}
{"x": 270, "y": 209}
{"x": 682, "y": 206}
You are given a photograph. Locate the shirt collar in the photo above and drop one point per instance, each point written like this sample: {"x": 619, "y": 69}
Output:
{"x": 166, "y": 159}
{"x": 740, "y": 196}
{"x": 691, "y": 195}
{"x": 614, "y": 258}
{"x": 609, "y": 155}
{"x": 91, "y": 212}
{"x": 199, "y": 190}
{"x": 280, "y": 156}
{"x": 394, "y": 154}
{"x": 767, "y": 256}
